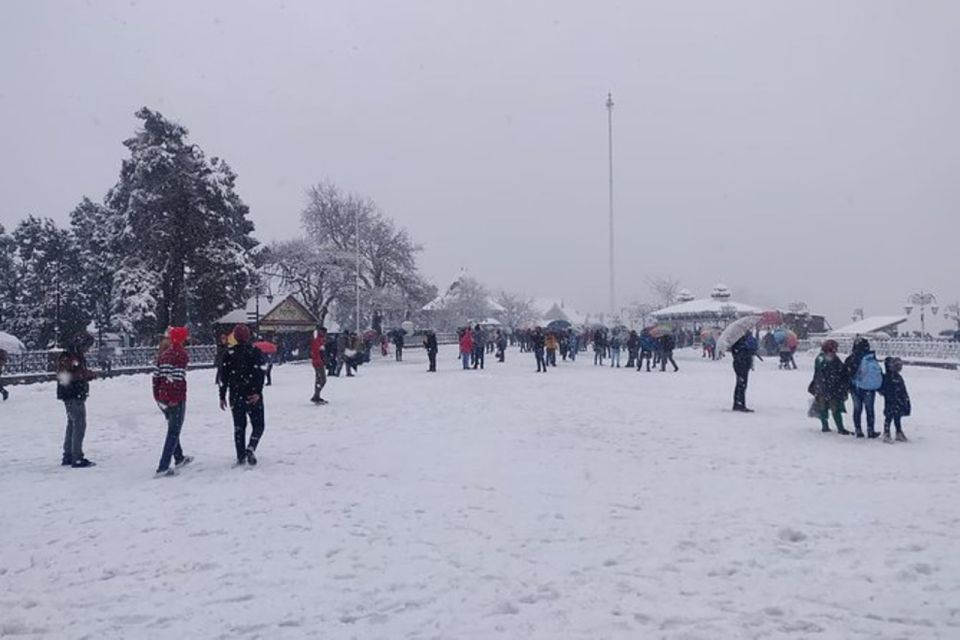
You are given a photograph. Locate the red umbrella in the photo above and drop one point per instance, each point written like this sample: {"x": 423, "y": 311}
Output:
{"x": 266, "y": 346}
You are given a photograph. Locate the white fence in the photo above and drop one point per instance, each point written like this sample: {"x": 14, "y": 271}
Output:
{"x": 933, "y": 352}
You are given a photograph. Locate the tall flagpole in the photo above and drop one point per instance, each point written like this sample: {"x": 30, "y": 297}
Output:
{"x": 613, "y": 300}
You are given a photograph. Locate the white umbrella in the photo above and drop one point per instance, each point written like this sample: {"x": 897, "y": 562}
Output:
{"x": 11, "y": 344}
{"x": 736, "y": 330}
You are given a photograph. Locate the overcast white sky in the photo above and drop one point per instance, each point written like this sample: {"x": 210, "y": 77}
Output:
{"x": 791, "y": 149}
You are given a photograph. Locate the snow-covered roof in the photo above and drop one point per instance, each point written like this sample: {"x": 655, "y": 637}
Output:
{"x": 550, "y": 309}
{"x": 706, "y": 307}
{"x": 453, "y": 291}
{"x": 873, "y": 324}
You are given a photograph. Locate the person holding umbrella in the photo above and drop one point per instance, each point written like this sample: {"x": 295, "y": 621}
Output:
{"x": 738, "y": 338}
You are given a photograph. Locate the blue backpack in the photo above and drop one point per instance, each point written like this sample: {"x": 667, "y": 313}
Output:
{"x": 869, "y": 375}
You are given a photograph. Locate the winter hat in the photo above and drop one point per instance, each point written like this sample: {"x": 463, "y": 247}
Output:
{"x": 178, "y": 335}
{"x": 241, "y": 333}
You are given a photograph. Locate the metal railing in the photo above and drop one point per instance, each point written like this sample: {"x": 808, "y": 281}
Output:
{"x": 909, "y": 350}
{"x": 43, "y": 364}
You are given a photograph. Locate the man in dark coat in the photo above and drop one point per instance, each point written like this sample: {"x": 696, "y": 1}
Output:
{"x": 431, "y": 347}
{"x": 73, "y": 388}
{"x": 743, "y": 351}
{"x": 667, "y": 344}
{"x": 633, "y": 348}
{"x": 538, "y": 340}
{"x": 241, "y": 378}
{"x": 479, "y": 347}
{"x": 398, "y": 344}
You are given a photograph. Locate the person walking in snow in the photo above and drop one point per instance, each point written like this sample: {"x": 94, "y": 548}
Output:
{"x": 170, "y": 394}
{"x": 242, "y": 381}
{"x": 599, "y": 347}
{"x": 479, "y": 347}
{"x": 666, "y": 344}
{"x": 466, "y": 346}
{"x": 501, "y": 346}
{"x": 829, "y": 388}
{"x": 743, "y": 350}
{"x": 318, "y": 347}
{"x": 866, "y": 378}
{"x": 3, "y": 361}
{"x": 431, "y": 347}
{"x": 73, "y": 388}
{"x": 398, "y": 344}
{"x": 615, "y": 350}
{"x": 633, "y": 348}
{"x": 550, "y": 345}
{"x": 896, "y": 400}
{"x": 573, "y": 345}
{"x": 648, "y": 345}
{"x": 538, "y": 340}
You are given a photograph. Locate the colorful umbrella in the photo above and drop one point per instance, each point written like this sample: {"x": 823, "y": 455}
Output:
{"x": 266, "y": 346}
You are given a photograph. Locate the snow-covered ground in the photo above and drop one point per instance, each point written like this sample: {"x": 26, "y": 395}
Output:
{"x": 584, "y": 503}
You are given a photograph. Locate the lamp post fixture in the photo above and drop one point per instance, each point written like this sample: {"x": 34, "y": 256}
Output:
{"x": 857, "y": 314}
{"x": 923, "y": 300}
{"x": 269, "y": 296}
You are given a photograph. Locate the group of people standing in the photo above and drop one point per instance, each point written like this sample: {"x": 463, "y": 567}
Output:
{"x": 860, "y": 377}
{"x": 241, "y": 371}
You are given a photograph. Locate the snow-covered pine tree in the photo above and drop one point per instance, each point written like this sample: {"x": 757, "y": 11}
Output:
{"x": 94, "y": 227}
{"x": 8, "y": 279}
{"x": 51, "y": 302}
{"x": 184, "y": 236}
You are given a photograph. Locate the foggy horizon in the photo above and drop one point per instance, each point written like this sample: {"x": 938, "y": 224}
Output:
{"x": 804, "y": 151}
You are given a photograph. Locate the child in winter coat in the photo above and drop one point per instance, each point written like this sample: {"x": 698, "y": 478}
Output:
{"x": 896, "y": 399}
{"x": 829, "y": 387}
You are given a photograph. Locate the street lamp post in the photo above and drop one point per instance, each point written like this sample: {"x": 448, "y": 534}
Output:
{"x": 613, "y": 303}
{"x": 357, "y": 250}
{"x": 923, "y": 300}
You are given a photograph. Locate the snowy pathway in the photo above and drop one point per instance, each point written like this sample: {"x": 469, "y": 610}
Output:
{"x": 584, "y": 503}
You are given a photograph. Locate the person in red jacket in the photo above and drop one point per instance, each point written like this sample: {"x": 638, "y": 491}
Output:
{"x": 170, "y": 393}
{"x": 318, "y": 356}
{"x": 466, "y": 346}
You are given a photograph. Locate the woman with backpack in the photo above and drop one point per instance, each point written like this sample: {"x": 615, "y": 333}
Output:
{"x": 866, "y": 378}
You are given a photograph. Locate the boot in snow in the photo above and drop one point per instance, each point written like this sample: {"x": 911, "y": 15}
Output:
{"x": 251, "y": 459}
{"x": 887, "y": 438}
{"x": 901, "y": 437}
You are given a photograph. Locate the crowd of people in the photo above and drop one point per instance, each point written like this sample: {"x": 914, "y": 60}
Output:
{"x": 242, "y": 370}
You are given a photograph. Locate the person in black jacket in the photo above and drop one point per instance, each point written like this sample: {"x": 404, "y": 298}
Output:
{"x": 538, "y": 340}
{"x": 431, "y": 346}
{"x": 896, "y": 400}
{"x": 667, "y": 344}
{"x": 829, "y": 387}
{"x": 73, "y": 388}
{"x": 743, "y": 351}
{"x": 398, "y": 344}
{"x": 633, "y": 348}
{"x": 241, "y": 375}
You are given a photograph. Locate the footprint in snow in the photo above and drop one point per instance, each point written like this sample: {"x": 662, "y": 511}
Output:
{"x": 791, "y": 535}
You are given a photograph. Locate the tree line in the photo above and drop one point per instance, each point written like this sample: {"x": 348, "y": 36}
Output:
{"x": 172, "y": 243}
